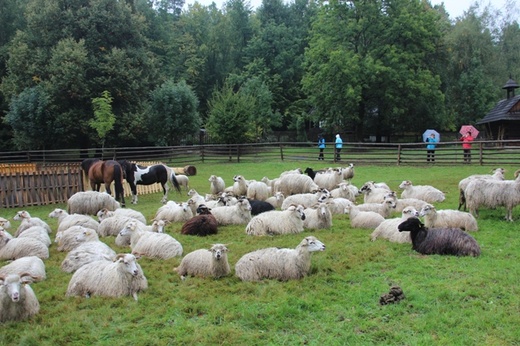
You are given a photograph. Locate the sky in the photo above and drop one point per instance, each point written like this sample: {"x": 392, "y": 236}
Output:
{"x": 454, "y": 7}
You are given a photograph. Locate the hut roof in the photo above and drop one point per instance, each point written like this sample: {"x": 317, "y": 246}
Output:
{"x": 505, "y": 110}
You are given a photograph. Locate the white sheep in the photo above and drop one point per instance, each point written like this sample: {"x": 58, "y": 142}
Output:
{"x": 32, "y": 265}
{"x": 348, "y": 172}
{"x": 344, "y": 191}
{"x": 134, "y": 214}
{"x": 66, "y": 220}
{"x": 493, "y": 193}
{"x": 238, "y": 214}
{"x": 239, "y": 187}
{"x": 389, "y": 230}
{"x": 385, "y": 208}
{"x": 401, "y": 203}
{"x": 196, "y": 200}
{"x": 272, "y": 184}
{"x": 448, "y": 218}
{"x": 217, "y": 184}
{"x": 174, "y": 212}
{"x": 38, "y": 233}
{"x": 276, "y": 200}
{"x": 212, "y": 262}
{"x": 498, "y": 174}
{"x": 329, "y": 180}
{"x": 74, "y": 236}
{"x": 4, "y": 223}
{"x": 90, "y": 202}
{"x": 17, "y": 299}
{"x": 337, "y": 205}
{"x": 183, "y": 181}
{"x": 363, "y": 219}
{"x": 290, "y": 184}
{"x": 257, "y": 190}
{"x": 372, "y": 193}
{"x": 85, "y": 253}
{"x": 151, "y": 244}
{"x": 156, "y": 226}
{"x": 112, "y": 225}
{"x": 28, "y": 221}
{"x": 425, "y": 192}
{"x": 276, "y": 222}
{"x": 276, "y": 263}
{"x": 14, "y": 248}
{"x": 306, "y": 199}
{"x": 122, "y": 277}
{"x": 317, "y": 217}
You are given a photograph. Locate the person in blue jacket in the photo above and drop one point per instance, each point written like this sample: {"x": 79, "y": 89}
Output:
{"x": 321, "y": 146}
{"x": 431, "y": 147}
{"x": 339, "y": 145}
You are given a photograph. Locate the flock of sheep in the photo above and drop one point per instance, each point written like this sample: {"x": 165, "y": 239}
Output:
{"x": 288, "y": 204}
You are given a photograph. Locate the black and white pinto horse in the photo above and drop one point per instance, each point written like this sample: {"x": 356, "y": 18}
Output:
{"x": 146, "y": 175}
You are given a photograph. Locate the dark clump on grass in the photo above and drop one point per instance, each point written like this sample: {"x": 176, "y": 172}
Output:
{"x": 395, "y": 295}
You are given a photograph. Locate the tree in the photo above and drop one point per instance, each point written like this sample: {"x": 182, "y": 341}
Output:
{"x": 104, "y": 119}
{"x": 230, "y": 117}
{"x": 173, "y": 113}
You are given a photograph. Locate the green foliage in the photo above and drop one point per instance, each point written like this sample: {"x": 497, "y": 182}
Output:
{"x": 104, "y": 119}
{"x": 173, "y": 113}
{"x": 337, "y": 303}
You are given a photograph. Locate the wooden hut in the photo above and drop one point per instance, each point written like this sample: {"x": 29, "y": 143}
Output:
{"x": 503, "y": 121}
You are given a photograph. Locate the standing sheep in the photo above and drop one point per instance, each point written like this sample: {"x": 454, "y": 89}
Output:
{"x": 202, "y": 224}
{"x": 318, "y": 217}
{"x": 90, "y": 202}
{"x": 389, "y": 229}
{"x": 122, "y": 277}
{"x": 217, "y": 184}
{"x": 498, "y": 174}
{"x": 448, "y": 218}
{"x": 493, "y": 193}
{"x": 211, "y": 262}
{"x": 439, "y": 241}
{"x": 151, "y": 244}
{"x": 279, "y": 264}
{"x": 17, "y": 299}
{"x": 425, "y": 192}
{"x": 184, "y": 181}
{"x": 348, "y": 172}
{"x": 277, "y": 222}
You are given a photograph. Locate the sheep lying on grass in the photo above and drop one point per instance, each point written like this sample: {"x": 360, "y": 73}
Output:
{"x": 66, "y": 220}
{"x": 174, "y": 212}
{"x": 151, "y": 244}
{"x": 363, "y": 219}
{"x": 257, "y": 190}
{"x": 32, "y": 265}
{"x": 27, "y": 221}
{"x": 90, "y": 202}
{"x": 134, "y": 214}
{"x": 156, "y": 226}
{"x": 439, "y": 241}
{"x": 372, "y": 193}
{"x": 69, "y": 239}
{"x": 259, "y": 207}
{"x": 344, "y": 191}
{"x": 122, "y": 277}
{"x": 202, "y": 224}
{"x": 211, "y": 262}
{"x": 276, "y": 263}
{"x": 85, "y": 253}
{"x": 38, "y": 233}
{"x": 389, "y": 229}
{"x": 329, "y": 180}
{"x": 425, "y": 192}
{"x": 276, "y": 200}
{"x": 493, "y": 193}
{"x": 448, "y": 218}
{"x": 17, "y": 299}
{"x": 401, "y": 203}
{"x": 498, "y": 174}
{"x": 306, "y": 199}
{"x": 277, "y": 222}
{"x": 14, "y": 248}
{"x": 290, "y": 184}
{"x": 385, "y": 208}
{"x": 238, "y": 214}
{"x": 4, "y": 223}
{"x": 317, "y": 217}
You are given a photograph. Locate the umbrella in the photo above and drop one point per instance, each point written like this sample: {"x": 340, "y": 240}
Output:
{"x": 469, "y": 128}
{"x": 427, "y": 134}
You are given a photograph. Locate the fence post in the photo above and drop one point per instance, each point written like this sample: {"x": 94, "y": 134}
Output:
{"x": 480, "y": 154}
{"x": 281, "y": 152}
{"x": 202, "y": 153}
{"x": 399, "y": 154}
{"x": 238, "y": 153}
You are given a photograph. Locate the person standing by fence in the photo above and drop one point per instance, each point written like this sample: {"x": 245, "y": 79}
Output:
{"x": 339, "y": 145}
{"x": 321, "y": 146}
{"x": 466, "y": 146}
{"x": 430, "y": 148}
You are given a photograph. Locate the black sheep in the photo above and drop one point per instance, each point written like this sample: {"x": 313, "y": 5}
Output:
{"x": 440, "y": 241}
{"x": 258, "y": 207}
{"x": 202, "y": 224}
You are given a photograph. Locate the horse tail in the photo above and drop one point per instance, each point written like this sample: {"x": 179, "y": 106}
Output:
{"x": 118, "y": 183}
{"x": 173, "y": 179}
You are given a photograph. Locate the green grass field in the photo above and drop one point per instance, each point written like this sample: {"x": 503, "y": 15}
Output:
{"x": 449, "y": 300}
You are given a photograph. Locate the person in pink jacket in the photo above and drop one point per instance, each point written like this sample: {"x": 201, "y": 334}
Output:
{"x": 466, "y": 146}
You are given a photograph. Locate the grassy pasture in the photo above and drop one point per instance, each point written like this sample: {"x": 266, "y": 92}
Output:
{"x": 449, "y": 300}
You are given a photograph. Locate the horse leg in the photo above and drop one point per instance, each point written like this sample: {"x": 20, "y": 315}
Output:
{"x": 107, "y": 189}
{"x": 166, "y": 188}
{"x": 133, "y": 188}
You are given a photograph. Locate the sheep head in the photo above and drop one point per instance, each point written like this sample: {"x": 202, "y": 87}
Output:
{"x": 410, "y": 225}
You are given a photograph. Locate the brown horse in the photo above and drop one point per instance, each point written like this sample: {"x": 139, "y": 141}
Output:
{"x": 106, "y": 172}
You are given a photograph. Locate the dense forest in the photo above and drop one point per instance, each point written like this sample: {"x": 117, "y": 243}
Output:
{"x": 86, "y": 73}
